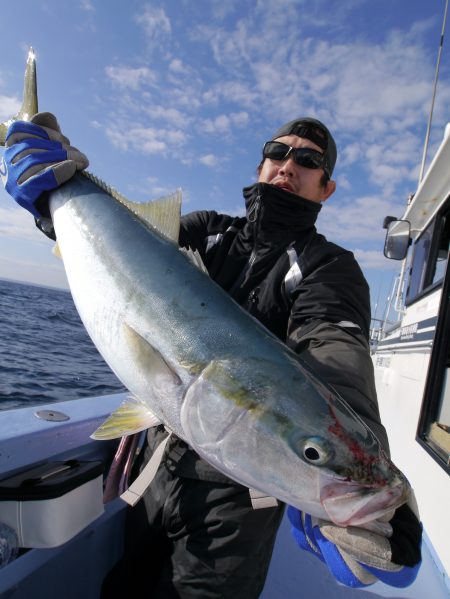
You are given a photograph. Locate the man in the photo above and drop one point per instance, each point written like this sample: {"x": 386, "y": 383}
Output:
{"x": 196, "y": 532}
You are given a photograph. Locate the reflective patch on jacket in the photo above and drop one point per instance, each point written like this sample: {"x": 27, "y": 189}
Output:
{"x": 294, "y": 275}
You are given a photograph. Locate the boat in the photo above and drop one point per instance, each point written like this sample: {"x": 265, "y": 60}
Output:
{"x": 412, "y": 355}
{"x": 411, "y": 359}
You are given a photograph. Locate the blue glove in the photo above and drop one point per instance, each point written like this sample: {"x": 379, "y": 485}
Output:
{"x": 357, "y": 557}
{"x": 37, "y": 158}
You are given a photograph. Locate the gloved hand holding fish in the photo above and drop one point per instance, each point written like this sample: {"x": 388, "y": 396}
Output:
{"x": 357, "y": 557}
{"x": 39, "y": 158}
{"x": 192, "y": 358}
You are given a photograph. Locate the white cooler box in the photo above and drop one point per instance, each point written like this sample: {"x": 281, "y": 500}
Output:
{"x": 49, "y": 504}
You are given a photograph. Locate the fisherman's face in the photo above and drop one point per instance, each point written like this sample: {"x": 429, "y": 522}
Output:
{"x": 289, "y": 175}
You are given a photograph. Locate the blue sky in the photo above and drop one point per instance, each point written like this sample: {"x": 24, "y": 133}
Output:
{"x": 181, "y": 93}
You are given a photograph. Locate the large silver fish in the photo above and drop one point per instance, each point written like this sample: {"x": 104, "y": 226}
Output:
{"x": 194, "y": 360}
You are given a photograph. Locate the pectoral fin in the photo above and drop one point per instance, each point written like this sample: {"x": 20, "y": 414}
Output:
{"x": 130, "y": 417}
{"x": 150, "y": 359}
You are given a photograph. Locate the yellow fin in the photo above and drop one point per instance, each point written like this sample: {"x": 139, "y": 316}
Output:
{"x": 130, "y": 417}
{"x": 30, "y": 101}
{"x": 163, "y": 214}
{"x": 194, "y": 257}
{"x": 56, "y": 251}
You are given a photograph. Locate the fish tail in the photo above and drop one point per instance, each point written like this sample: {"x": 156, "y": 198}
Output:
{"x": 30, "y": 100}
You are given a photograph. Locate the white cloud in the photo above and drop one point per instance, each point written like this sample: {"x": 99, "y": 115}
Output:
{"x": 177, "y": 66}
{"x": 351, "y": 153}
{"x": 221, "y": 9}
{"x": 238, "y": 210}
{"x": 185, "y": 97}
{"x": 130, "y": 77}
{"x": 359, "y": 79}
{"x": 220, "y": 124}
{"x": 149, "y": 140}
{"x": 356, "y": 220}
{"x": 344, "y": 183}
{"x": 18, "y": 223}
{"x": 88, "y": 24}
{"x": 152, "y": 188}
{"x": 223, "y": 123}
{"x": 25, "y": 252}
{"x": 374, "y": 259}
{"x": 171, "y": 115}
{"x": 241, "y": 93}
{"x": 9, "y": 105}
{"x": 52, "y": 275}
{"x": 87, "y": 5}
{"x": 209, "y": 160}
{"x": 371, "y": 94}
{"x": 155, "y": 23}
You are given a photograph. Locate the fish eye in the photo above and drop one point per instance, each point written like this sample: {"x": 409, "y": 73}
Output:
{"x": 311, "y": 454}
{"x": 314, "y": 450}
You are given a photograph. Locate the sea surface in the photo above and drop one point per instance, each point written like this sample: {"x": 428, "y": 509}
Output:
{"x": 46, "y": 354}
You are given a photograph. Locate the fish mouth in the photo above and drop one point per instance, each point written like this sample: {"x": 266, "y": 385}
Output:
{"x": 352, "y": 504}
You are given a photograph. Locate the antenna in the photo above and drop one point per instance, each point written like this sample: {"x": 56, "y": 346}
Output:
{"x": 427, "y": 136}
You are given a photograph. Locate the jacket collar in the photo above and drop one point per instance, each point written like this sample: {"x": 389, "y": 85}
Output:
{"x": 271, "y": 210}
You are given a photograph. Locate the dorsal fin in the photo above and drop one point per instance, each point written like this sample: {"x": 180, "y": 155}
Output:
{"x": 163, "y": 214}
{"x": 194, "y": 257}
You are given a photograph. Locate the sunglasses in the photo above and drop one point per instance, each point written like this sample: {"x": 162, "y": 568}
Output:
{"x": 307, "y": 157}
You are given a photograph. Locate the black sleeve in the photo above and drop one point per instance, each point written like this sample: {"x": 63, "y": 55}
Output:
{"x": 194, "y": 230}
{"x": 333, "y": 291}
{"x": 45, "y": 225}
{"x": 201, "y": 231}
{"x": 341, "y": 357}
{"x": 44, "y": 222}
{"x": 329, "y": 326}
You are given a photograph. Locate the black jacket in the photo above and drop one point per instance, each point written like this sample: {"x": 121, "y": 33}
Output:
{"x": 309, "y": 292}
{"x": 275, "y": 264}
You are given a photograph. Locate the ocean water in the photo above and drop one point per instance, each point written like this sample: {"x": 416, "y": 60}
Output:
{"x": 46, "y": 354}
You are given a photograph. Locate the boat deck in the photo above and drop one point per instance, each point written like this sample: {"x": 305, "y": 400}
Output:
{"x": 75, "y": 570}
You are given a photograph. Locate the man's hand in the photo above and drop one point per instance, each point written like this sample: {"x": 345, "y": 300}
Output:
{"x": 357, "y": 557}
{"x": 37, "y": 158}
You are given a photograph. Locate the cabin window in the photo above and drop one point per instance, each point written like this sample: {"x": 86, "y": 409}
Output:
{"x": 439, "y": 263}
{"x": 434, "y": 424}
{"x": 430, "y": 257}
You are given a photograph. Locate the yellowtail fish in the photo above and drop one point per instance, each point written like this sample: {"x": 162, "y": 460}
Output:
{"x": 194, "y": 360}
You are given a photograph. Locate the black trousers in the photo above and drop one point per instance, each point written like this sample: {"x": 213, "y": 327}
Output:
{"x": 189, "y": 538}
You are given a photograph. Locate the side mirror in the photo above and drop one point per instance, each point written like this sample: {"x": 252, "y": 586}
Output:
{"x": 397, "y": 239}
{"x": 387, "y": 221}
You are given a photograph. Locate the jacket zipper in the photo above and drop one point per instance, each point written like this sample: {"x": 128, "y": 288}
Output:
{"x": 253, "y": 217}
{"x": 254, "y": 214}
